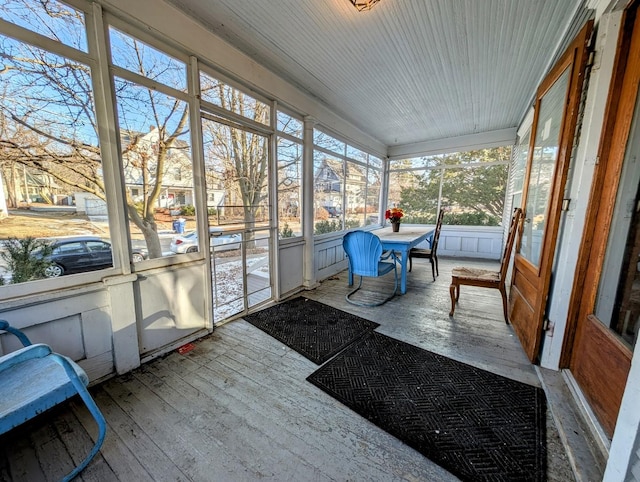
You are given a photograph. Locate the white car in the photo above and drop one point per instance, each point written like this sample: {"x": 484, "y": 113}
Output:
{"x": 188, "y": 242}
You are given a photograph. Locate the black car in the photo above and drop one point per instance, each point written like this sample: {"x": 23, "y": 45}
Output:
{"x": 77, "y": 254}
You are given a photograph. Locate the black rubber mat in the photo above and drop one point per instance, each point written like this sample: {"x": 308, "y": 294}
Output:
{"x": 313, "y": 329}
{"x": 475, "y": 424}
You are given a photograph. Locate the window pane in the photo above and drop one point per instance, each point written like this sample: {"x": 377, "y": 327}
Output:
{"x": 51, "y": 19}
{"x": 520, "y": 163}
{"x": 233, "y": 100}
{"x": 356, "y": 195}
{"x": 375, "y": 162}
{"x": 138, "y": 57}
{"x": 474, "y": 196}
{"x": 236, "y": 172}
{"x": 416, "y": 192}
{"x": 290, "y": 125}
{"x": 289, "y": 188}
{"x": 356, "y": 154}
{"x": 325, "y": 141}
{"x": 328, "y": 183}
{"x": 543, "y": 162}
{"x": 416, "y": 162}
{"x": 154, "y": 136}
{"x": 374, "y": 182}
{"x": 618, "y": 299}
{"x": 51, "y": 158}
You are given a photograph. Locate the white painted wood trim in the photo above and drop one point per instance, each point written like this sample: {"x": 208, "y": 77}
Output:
{"x": 483, "y": 140}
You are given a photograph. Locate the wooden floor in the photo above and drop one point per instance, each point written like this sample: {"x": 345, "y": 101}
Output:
{"x": 238, "y": 407}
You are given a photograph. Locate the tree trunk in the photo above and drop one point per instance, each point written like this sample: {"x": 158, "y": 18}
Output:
{"x": 149, "y": 231}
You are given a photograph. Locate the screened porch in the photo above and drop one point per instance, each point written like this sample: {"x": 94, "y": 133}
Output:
{"x": 171, "y": 167}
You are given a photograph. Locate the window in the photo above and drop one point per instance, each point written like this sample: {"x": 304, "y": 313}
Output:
{"x": 154, "y": 135}
{"x": 325, "y": 141}
{"x": 355, "y": 194}
{"x": 135, "y": 56}
{"x": 289, "y": 125}
{"x": 52, "y": 19}
{"x": 470, "y": 185}
{"x": 51, "y": 153}
{"x": 98, "y": 246}
{"x": 328, "y": 175}
{"x": 69, "y": 248}
{"x": 289, "y": 159}
{"x": 233, "y": 100}
{"x": 347, "y": 183}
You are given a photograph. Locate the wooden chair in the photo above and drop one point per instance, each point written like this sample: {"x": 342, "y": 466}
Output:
{"x": 430, "y": 253}
{"x": 34, "y": 379}
{"x": 364, "y": 251}
{"x": 486, "y": 278}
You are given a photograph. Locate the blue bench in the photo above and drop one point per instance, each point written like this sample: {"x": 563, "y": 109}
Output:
{"x": 34, "y": 379}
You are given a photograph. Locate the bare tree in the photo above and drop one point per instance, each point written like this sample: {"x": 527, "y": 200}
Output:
{"x": 48, "y": 125}
{"x": 238, "y": 158}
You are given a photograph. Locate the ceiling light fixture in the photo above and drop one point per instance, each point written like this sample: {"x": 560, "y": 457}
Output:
{"x": 363, "y": 5}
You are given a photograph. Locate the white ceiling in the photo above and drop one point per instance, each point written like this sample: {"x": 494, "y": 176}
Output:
{"x": 407, "y": 71}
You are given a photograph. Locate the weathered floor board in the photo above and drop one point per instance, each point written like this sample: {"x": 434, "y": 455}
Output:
{"x": 238, "y": 407}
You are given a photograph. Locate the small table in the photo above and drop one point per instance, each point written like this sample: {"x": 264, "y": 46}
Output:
{"x": 401, "y": 242}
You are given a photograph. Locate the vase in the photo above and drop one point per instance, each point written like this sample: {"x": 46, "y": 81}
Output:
{"x": 395, "y": 227}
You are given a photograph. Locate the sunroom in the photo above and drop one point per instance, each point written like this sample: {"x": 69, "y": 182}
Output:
{"x": 223, "y": 149}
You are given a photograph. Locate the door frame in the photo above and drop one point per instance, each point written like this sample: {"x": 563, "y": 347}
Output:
{"x": 587, "y": 340}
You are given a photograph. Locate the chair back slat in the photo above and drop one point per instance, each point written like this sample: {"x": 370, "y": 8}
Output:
{"x": 436, "y": 234}
{"x": 363, "y": 250}
{"x": 511, "y": 237}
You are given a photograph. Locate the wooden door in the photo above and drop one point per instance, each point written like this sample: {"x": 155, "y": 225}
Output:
{"x": 603, "y": 321}
{"x": 553, "y": 131}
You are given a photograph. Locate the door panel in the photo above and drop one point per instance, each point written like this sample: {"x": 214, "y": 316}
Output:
{"x": 554, "y": 125}
{"x": 237, "y": 180}
{"x": 523, "y": 283}
{"x": 600, "y": 366}
{"x": 603, "y": 326}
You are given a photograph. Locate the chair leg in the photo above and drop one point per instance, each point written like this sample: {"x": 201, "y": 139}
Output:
{"x": 378, "y": 303}
{"x": 410, "y": 263}
{"x": 503, "y": 292}
{"x": 437, "y": 272}
{"x": 93, "y": 409}
{"x": 433, "y": 269}
{"x": 452, "y": 293}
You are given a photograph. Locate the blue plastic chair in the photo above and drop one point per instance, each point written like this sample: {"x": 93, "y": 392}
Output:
{"x": 364, "y": 252}
{"x": 34, "y": 379}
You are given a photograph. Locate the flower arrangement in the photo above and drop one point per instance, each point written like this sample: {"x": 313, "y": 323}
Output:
{"x": 394, "y": 215}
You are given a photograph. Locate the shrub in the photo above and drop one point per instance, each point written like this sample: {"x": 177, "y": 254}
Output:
{"x": 322, "y": 213}
{"x": 351, "y": 223}
{"x": 286, "y": 232}
{"x": 19, "y": 256}
{"x": 188, "y": 210}
{"x": 471, "y": 219}
{"x": 324, "y": 227}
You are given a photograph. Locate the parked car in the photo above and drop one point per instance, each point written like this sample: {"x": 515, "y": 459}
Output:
{"x": 77, "y": 254}
{"x": 332, "y": 211}
{"x": 188, "y": 243}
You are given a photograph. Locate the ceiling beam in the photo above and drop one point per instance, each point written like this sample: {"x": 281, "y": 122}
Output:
{"x": 482, "y": 140}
